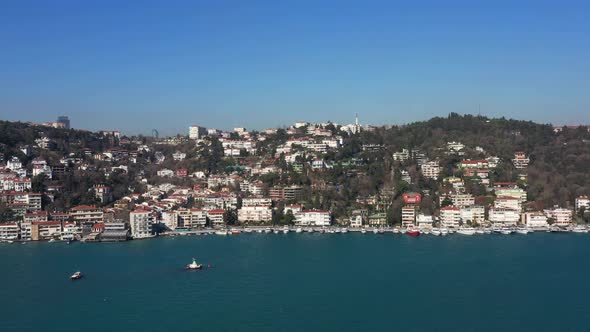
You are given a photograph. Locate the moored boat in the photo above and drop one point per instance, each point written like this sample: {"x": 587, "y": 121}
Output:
{"x": 435, "y": 232}
{"x": 412, "y": 232}
{"x": 466, "y": 231}
{"x": 298, "y": 230}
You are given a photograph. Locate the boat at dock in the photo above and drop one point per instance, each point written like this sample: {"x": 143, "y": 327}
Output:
{"x": 344, "y": 230}
{"x": 435, "y": 232}
{"x": 298, "y": 230}
{"x": 466, "y": 231}
{"x": 522, "y": 230}
{"x": 222, "y": 232}
{"x": 412, "y": 231}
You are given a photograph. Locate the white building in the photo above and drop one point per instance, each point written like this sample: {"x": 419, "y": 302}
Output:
{"x": 520, "y": 161}
{"x": 196, "y": 132}
{"x": 141, "y": 224}
{"x": 258, "y": 213}
{"x": 512, "y": 192}
{"x": 534, "y": 219}
{"x": 9, "y": 231}
{"x": 313, "y": 218}
{"x": 582, "y": 202}
{"x": 408, "y": 215}
{"x": 450, "y": 216}
{"x": 562, "y": 217}
{"x": 423, "y": 220}
{"x": 507, "y": 202}
{"x": 165, "y": 173}
{"x": 431, "y": 169}
{"x": 462, "y": 200}
{"x": 190, "y": 218}
{"x": 504, "y": 216}
{"x": 473, "y": 214}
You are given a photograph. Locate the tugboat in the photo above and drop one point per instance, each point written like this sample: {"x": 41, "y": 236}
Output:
{"x": 77, "y": 275}
{"x": 194, "y": 265}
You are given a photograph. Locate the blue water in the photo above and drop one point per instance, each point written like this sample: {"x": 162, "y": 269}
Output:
{"x": 297, "y": 282}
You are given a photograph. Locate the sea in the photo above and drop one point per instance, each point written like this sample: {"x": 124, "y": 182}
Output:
{"x": 301, "y": 282}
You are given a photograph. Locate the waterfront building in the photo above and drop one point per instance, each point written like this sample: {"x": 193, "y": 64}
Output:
{"x": 216, "y": 217}
{"x": 504, "y": 216}
{"x": 473, "y": 214}
{"x": 313, "y": 218}
{"x": 377, "y": 219}
{"x": 9, "y": 231}
{"x": 450, "y": 216}
{"x": 562, "y": 217}
{"x": 424, "y": 221}
{"x": 534, "y": 219}
{"x": 408, "y": 215}
{"x": 141, "y": 224}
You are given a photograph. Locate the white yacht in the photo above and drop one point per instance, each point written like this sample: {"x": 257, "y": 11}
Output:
{"x": 396, "y": 230}
{"x": 522, "y": 230}
{"x": 435, "y": 232}
{"x": 298, "y": 230}
{"x": 344, "y": 230}
{"x": 466, "y": 231}
{"x": 77, "y": 275}
{"x": 375, "y": 231}
{"x": 363, "y": 231}
{"x": 268, "y": 230}
{"x": 444, "y": 231}
{"x": 221, "y": 232}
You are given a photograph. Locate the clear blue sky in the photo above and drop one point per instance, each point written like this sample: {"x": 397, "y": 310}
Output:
{"x": 137, "y": 65}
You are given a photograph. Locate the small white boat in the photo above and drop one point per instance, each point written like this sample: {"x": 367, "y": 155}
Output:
{"x": 375, "y": 231}
{"x": 522, "y": 230}
{"x": 298, "y": 230}
{"x": 51, "y": 240}
{"x": 268, "y": 230}
{"x": 580, "y": 229}
{"x": 444, "y": 231}
{"x": 466, "y": 231}
{"x": 223, "y": 232}
{"x": 479, "y": 231}
{"x": 344, "y": 230}
{"x": 435, "y": 232}
{"x": 396, "y": 230}
{"x": 77, "y": 275}
{"x": 194, "y": 265}
{"x": 363, "y": 231}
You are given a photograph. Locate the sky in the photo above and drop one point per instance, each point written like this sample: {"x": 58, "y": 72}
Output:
{"x": 137, "y": 65}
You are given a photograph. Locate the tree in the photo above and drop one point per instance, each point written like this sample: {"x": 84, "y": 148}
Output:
{"x": 38, "y": 183}
{"x": 230, "y": 217}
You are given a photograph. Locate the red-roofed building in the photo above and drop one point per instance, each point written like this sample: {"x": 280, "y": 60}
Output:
{"x": 216, "y": 217}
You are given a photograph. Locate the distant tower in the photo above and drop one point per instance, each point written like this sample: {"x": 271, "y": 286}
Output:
{"x": 356, "y": 119}
{"x": 155, "y": 133}
{"x": 64, "y": 121}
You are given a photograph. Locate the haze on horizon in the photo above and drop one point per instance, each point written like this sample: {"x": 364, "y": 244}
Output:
{"x": 138, "y": 65}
